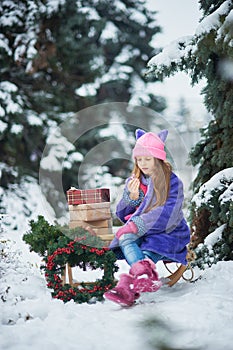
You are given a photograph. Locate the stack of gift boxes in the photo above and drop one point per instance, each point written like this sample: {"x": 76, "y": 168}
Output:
{"x": 91, "y": 208}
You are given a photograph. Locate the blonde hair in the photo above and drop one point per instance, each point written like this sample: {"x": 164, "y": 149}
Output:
{"x": 161, "y": 181}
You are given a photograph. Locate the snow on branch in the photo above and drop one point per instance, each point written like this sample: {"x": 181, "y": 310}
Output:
{"x": 213, "y": 21}
{"x": 11, "y": 102}
{"x": 214, "y": 236}
{"x": 173, "y": 53}
{"x": 222, "y": 182}
{"x": 179, "y": 53}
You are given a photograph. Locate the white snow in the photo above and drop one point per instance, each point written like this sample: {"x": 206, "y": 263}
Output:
{"x": 138, "y": 16}
{"x": 4, "y": 44}
{"x": 34, "y": 119}
{"x": 205, "y": 192}
{"x": 214, "y": 236}
{"x": 52, "y": 5}
{"x": 6, "y": 86}
{"x": 87, "y": 89}
{"x": 57, "y": 147}
{"x": 109, "y": 32}
{"x": 125, "y": 55}
{"x": 6, "y": 89}
{"x": 75, "y": 157}
{"x": 196, "y": 315}
{"x": 16, "y": 128}
{"x": 213, "y": 21}
{"x": 227, "y": 195}
{"x": 30, "y": 317}
{"x": 173, "y": 52}
{"x": 92, "y": 14}
{"x": 3, "y": 125}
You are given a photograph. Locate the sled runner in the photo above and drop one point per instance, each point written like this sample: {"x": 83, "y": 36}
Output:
{"x": 180, "y": 270}
{"x": 178, "y": 273}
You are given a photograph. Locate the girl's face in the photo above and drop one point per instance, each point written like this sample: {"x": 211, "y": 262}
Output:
{"x": 146, "y": 165}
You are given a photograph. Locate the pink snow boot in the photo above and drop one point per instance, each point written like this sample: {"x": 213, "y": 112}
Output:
{"x": 146, "y": 278}
{"x": 123, "y": 293}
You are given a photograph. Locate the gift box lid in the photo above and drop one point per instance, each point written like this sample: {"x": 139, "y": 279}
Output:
{"x": 87, "y": 196}
{"x": 90, "y": 206}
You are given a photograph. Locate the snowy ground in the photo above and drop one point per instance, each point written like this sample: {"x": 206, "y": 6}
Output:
{"x": 195, "y": 315}
{"x": 187, "y": 316}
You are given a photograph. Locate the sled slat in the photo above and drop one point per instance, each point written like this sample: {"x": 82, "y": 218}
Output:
{"x": 70, "y": 276}
{"x": 63, "y": 276}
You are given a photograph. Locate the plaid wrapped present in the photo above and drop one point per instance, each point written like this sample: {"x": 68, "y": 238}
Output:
{"x": 98, "y": 195}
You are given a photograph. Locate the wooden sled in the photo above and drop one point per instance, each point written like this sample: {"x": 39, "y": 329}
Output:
{"x": 171, "y": 279}
{"x": 178, "y": 274}
{"x": 67, "y": 272}
{"x": 180, "y": 270}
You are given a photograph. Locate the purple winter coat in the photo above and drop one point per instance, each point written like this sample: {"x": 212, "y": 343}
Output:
{"x": 166, "y": 230}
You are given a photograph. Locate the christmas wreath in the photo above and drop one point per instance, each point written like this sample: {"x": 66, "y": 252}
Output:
{"x": 83, "y": 256}
{"x": 77, "y": 247}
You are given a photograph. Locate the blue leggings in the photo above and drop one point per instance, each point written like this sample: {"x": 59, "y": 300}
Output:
{"x": 132, "y": 251}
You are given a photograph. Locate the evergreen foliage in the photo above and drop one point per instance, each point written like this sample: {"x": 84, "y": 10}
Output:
{"x": 44, "y": 238}
{"x": 214, "y": 201}
{"x": 57, "y": 58}
{"x": 41, "y": 235}
{"x": 209, "y": 55}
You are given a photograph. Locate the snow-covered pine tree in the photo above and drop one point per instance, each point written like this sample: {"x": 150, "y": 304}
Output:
{"x": 58, "y": 57}
{"x": 208, "y": 54}
{"x": 214, "y": 198}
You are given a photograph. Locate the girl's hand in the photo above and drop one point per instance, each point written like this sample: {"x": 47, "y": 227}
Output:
{"x": 133, "y": 188}
{"x": 129, "y": 227}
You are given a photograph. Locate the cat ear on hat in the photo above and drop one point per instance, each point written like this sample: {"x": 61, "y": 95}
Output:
{"x": 163, "y": 135}
{"x": 139, "y": 133}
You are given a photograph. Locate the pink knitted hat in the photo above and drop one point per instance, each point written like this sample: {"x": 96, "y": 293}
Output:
{"x": 150, "y": 144}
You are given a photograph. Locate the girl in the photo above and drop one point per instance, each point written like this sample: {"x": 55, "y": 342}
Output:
{"x": 154, "y": 227}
